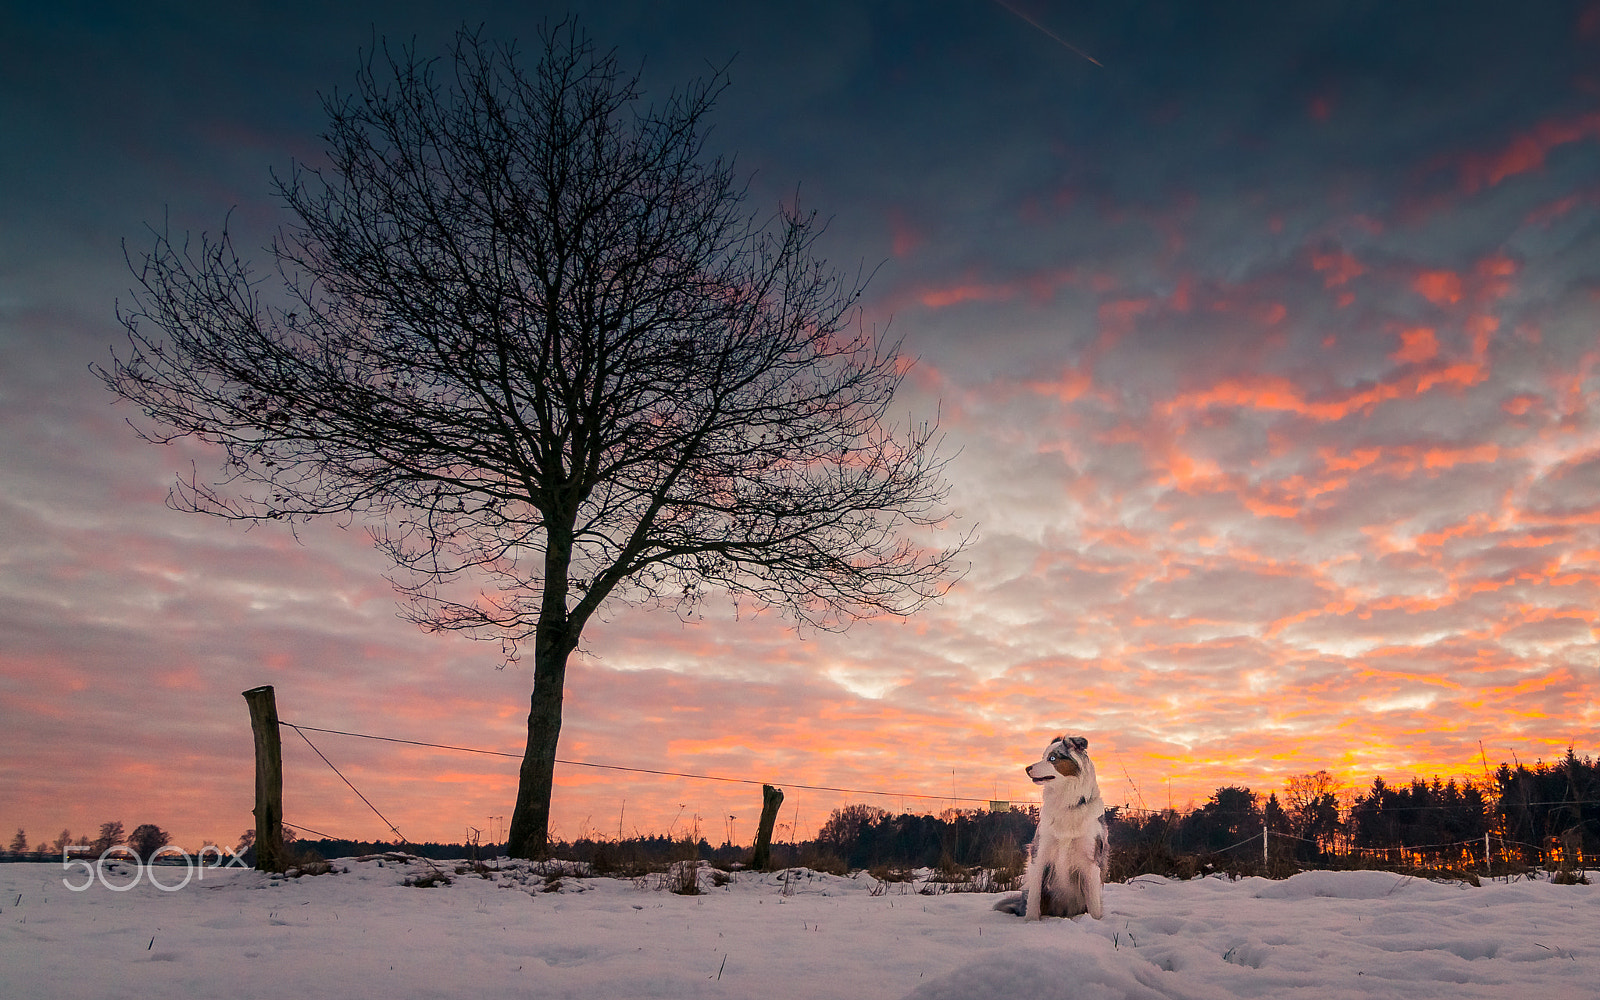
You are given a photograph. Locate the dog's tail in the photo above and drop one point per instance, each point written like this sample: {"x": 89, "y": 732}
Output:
{"x": 1015, "y": 904}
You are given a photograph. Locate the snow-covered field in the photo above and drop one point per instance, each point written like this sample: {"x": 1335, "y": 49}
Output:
{"x": 362, "y": 933}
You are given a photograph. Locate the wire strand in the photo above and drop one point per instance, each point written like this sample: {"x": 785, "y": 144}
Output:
{"x": 307, "y": 829}
{"x": 363, "y": 798}
{"x": 643, "y": 770}
{"x": 342, "y": 778}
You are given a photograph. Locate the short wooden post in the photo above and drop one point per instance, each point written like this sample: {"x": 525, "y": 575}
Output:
{"x": 771, "y": 799}
{"x": 270, "y": 855}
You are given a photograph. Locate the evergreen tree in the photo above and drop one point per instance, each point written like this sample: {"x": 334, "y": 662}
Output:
{"x": 1231, "y": 815}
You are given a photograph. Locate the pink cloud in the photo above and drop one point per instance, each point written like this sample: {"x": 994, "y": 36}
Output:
{"x": 1526, "y": 151}
{"x": 1439, "y": 287}
{"x": 1337, "y": 267}
{"x": 1417, "y": 345}
{"x": 1038, "y": 288}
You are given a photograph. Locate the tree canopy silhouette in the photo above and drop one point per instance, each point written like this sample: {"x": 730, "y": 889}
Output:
{"x": 526, "y": 327}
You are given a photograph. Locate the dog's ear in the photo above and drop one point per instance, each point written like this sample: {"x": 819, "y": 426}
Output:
{"x": 1081, "y": 742}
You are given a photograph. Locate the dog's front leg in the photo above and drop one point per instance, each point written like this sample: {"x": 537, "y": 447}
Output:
{"x": 1097, "y": 872}
{"x": 1033, "y": 885}
{"x": 1092, "y": 899}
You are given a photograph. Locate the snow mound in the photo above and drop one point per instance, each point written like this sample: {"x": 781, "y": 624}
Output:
{"x": 1339, "y": 885}
{"x": 1082, "y": 968}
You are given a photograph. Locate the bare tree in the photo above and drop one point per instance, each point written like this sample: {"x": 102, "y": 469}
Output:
{"x": 111, "y": 835}
{"x": 529, "y": 329}
{"x": 1301, "y": 791}
{"x": 1313, "y": 808}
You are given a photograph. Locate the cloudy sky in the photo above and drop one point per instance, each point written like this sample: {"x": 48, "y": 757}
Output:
{"x": 1267, "y": 335}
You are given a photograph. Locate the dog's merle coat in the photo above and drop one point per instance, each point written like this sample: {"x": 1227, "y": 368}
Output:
{"x": 1067, "y": 859}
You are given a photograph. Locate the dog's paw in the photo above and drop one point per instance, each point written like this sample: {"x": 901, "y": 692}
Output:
{"x": 1015, "y": 904}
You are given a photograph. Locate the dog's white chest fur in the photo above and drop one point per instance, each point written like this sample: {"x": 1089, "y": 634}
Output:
{"x": 1067, "y": 859}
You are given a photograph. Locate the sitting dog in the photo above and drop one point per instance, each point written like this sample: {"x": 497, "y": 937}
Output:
{"x": 1067, "y": 859}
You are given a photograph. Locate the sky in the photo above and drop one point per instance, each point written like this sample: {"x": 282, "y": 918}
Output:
{"x": 1264, "y": 338}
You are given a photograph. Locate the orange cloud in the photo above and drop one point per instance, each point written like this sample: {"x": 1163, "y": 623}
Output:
{"x": 1417, "y": 345}
{"x": 1337, "y": 267}
{"x": 1118, "y": 317}
{"x": 1493, "y": 276}
{"x": 1445, "y": 458}
{"x": 1039, "y": 288}
{"x": 1546, "y": 214}
{"x": 940, "y": 298}
{"x": 1073, "y": 384}
{"x": 1359, "y": 458}
{"x": 1527, "y": 151}
{"x": 1522, "y": 405}
{"x": 1271, "y": 393}
{"x": 1439, "y": 287}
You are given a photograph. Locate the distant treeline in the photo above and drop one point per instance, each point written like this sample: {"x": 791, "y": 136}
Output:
{"x": 1544, "y": 814}
{"x": 146, "y": 841}
{"x": 854, "y": 837}
{"x": 1532, "y": 814}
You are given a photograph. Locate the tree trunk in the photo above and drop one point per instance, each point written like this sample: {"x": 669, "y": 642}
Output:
{"x": 530, "y": 819}
{"x": 555, "y": 637}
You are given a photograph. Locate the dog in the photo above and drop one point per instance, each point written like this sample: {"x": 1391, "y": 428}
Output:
{"x": 1067, "y": 859}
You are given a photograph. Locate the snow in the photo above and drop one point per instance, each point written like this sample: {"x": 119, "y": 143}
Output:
{"x": 361, "y": 932}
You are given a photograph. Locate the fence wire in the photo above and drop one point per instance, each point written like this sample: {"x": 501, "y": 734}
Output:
{"x": 646, "y": 770}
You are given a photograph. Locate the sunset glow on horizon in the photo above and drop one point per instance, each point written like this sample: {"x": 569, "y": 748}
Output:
{"x": 1267, "y": 352}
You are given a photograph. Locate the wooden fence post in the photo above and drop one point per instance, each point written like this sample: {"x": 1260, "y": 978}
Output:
{"x": 771, "y": 799}
{"x": 270, "y": 855}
